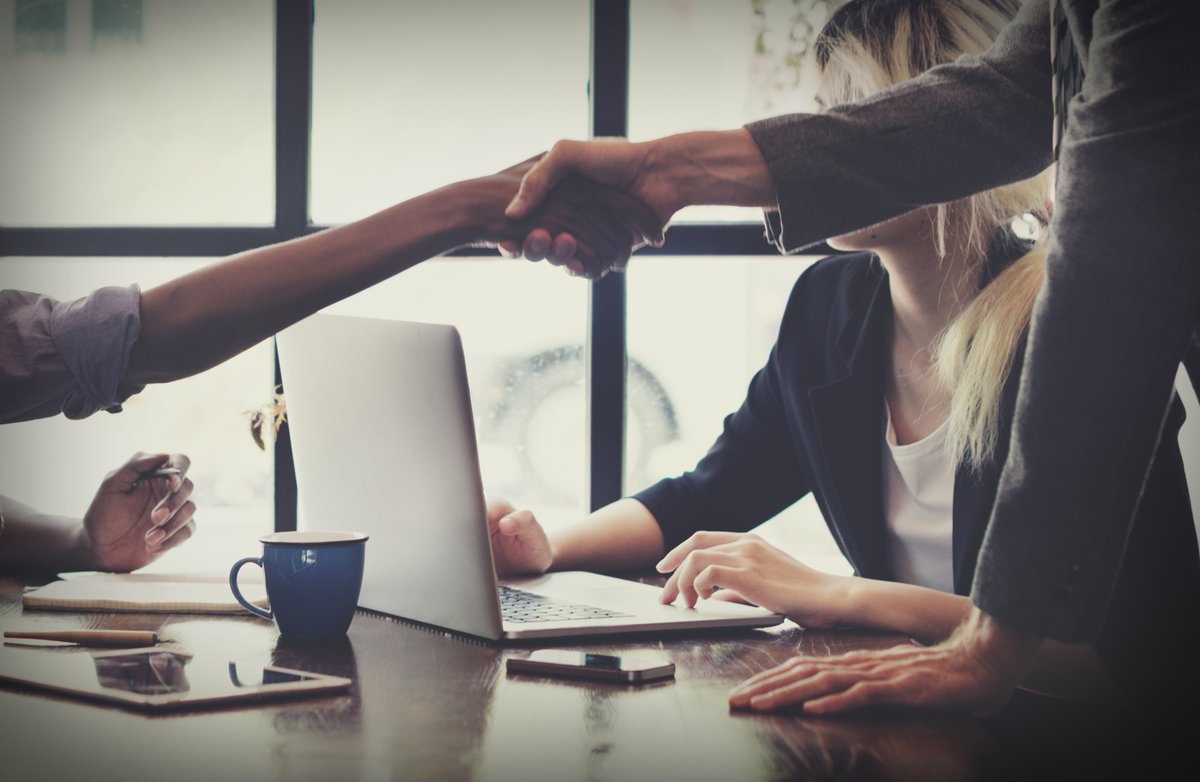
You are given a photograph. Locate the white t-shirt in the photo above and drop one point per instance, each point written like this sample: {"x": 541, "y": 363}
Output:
{"x": 918, "y": 498}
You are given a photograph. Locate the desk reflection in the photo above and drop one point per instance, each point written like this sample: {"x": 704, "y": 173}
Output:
{"x": 430, "y": 705}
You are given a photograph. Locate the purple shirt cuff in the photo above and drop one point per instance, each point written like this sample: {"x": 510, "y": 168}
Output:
{"x": 94, "y": 337}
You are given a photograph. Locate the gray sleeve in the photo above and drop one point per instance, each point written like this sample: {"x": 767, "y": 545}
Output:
{"x": 66, "y": 357}
{"x": 956, "y": 130}
{"x": 1110, "y": 326}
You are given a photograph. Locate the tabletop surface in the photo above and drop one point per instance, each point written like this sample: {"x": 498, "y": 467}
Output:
{"x": 427, "y": 704}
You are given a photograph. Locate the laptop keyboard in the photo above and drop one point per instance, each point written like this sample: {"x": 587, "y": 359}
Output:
{"x": 520, "y": 606}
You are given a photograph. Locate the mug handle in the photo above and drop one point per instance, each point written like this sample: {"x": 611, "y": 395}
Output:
{"x": 233, "y": 574}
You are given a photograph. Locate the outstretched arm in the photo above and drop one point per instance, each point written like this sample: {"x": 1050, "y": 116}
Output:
{"x": 201, "y": 319}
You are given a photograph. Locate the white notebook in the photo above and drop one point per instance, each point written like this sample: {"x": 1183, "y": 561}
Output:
{"x": 185, "y": 593}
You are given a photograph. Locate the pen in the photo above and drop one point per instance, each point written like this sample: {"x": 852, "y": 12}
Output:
{"x": 162, "y": 472}
{"x": 91, "y": 637}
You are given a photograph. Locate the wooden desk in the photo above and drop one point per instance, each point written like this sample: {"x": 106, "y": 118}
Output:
{"x": 427, "y": 705}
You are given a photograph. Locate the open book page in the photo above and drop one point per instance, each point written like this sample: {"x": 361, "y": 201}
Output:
{"x": 147, "y": 592}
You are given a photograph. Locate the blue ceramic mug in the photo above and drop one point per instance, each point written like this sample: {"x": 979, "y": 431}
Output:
{"x": 313, "y": 581}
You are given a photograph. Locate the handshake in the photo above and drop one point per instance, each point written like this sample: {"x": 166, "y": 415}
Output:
{"x": 588, "y": 219}
{"x": 588, "y": 205}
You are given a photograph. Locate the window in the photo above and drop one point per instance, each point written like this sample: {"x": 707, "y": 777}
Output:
{"x": 143, "y": 136}
{"x": 132, "y": 113}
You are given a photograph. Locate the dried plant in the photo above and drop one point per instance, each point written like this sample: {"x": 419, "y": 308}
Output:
{"x": 273, "y": 414}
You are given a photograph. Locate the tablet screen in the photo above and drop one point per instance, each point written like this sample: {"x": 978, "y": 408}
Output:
{"x": 160, "y": 678}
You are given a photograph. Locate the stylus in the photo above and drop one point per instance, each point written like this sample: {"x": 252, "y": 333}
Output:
{"x": 92, "y": 637}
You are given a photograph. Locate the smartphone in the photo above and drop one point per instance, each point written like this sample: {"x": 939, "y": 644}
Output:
{"x": 629, "y": 668}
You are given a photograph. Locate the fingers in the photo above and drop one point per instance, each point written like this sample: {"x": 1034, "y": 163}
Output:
{"x": 141, "y": 467}
{"x": 699, "y": 540}
{"x": 595, "y": 228}
{"x": 808, "y": 686}
{"x": 182, "y": 535}
{"x": 126, "y": 477}
{"x": 859, "y": 696}
{"x": 181, "y": 521}
{"x": 700, "y": 575}
{"x": 520, "y": 545}
{"x": 171, "y": 513}
{"x": 559, "y": 251}
{"x": 182, "y": 463}
{"x": 497, "y": 508}
{"x": 536, "y": 244}
{"x": 841, "y": 683}
{"x": 562, "y": 249}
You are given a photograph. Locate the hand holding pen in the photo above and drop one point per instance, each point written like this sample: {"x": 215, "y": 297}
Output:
{"x": 141, "y": 510}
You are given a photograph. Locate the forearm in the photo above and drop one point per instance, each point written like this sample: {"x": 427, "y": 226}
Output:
{"x": 35, "y": 542}
{"x": 723, "y": 168}
{"x": 953, "y": 131}
{"x": 927, "y": 615}
{"x": 619, "y": 536}
{"x": 201, "y": 319}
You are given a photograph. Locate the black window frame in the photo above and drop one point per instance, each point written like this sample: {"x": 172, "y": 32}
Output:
{"x": 606, "y": 349}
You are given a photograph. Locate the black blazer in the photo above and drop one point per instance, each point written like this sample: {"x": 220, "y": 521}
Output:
{"x": 813, "y": 421}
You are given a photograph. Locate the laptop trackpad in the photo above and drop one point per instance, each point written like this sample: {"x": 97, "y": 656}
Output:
{"x": 620, "y": 594}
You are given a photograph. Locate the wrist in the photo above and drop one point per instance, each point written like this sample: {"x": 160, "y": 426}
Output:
{"x": 849, "y": 600}
{"x": 473, "y": 213}
{"x": 554, "y": 546}
{"x": 1004, "y": 647}
{"x": 81, "y": 555}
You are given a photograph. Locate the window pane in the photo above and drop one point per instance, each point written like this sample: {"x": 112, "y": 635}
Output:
{"x": 522, "y": 328}
{"x": 123, "y": 112}
{"x": 408, "y": 97}
{"x": 690, "y": 359}
{"x": 56, "y": 465}
{"x": 716, "y": 65}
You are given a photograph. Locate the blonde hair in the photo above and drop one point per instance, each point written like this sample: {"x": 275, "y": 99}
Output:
{"x": 870, "y": 45}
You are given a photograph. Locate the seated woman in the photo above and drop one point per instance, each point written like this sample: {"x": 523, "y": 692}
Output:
{"x": 888, "y": 395}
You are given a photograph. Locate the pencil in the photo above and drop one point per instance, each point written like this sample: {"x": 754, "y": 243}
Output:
{"x": 91, "y": 637}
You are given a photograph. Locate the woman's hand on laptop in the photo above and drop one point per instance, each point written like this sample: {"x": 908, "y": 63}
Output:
{"x": 745, "y": 568}
{"x": 519, "y": 544}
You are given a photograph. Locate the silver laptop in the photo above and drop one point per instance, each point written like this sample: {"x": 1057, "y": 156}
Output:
{"x": 383, "y": 438}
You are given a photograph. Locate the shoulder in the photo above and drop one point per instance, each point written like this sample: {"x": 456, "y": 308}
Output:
{"x": 833, "y": 288}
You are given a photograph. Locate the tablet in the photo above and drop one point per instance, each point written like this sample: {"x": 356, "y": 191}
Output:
{"x": 155, "y": 679}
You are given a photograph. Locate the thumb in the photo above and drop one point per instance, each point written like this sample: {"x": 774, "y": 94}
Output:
{"x": 539, "y": 180}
